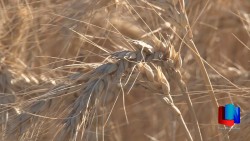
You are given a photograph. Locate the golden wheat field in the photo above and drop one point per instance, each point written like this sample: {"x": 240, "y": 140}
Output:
{"x": 123, "y": 70}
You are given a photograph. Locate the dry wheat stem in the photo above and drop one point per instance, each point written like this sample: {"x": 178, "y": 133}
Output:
{"x": 161, "y": 80}
{"x": 204, "y": 73}
{"x": 182, "y": 23}
{"x": 176, "y": 76}
{"x": 206, "y": 78}
{"x": 184, "y": 90}
{"x": 188, "y": 39}
{"x": 181, "y": 120}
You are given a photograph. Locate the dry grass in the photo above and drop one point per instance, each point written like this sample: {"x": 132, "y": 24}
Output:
{"x": 123, "y": 69}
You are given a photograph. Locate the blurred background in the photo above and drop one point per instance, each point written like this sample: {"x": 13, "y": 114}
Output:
{"x": 37, "y": 37}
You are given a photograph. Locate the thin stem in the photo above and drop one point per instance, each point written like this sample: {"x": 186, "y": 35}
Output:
{"x": 181, "y": 84}
{"x": 180, "y": 118}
